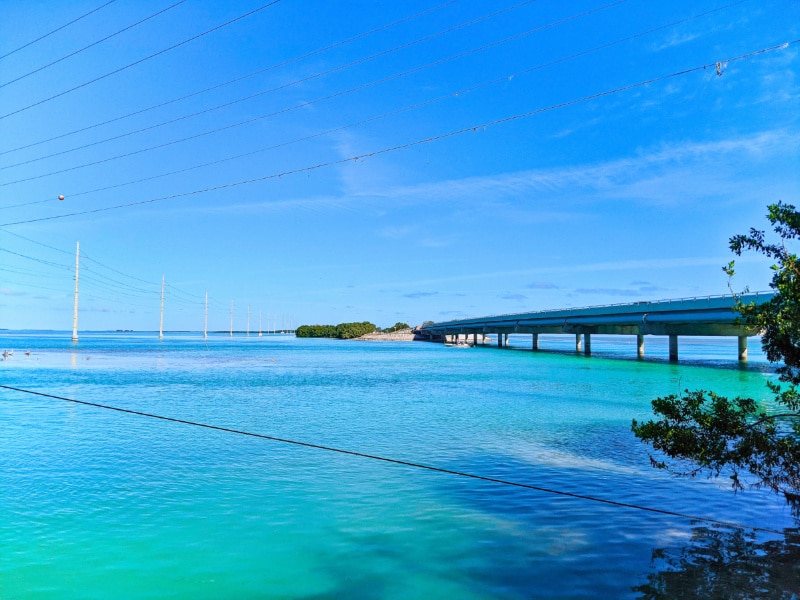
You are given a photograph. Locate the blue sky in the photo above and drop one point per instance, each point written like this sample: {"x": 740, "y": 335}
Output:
{"x": 387, "y": 161}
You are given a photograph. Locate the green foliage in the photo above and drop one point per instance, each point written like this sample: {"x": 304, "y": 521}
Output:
{"x": 736, "y": 436}
{"x": 396, "y": 327}
{"x": 316, "y": 331}
{"x": 718, "y": 434}
{"x": 342, "y": 331}
{"x": 779, "y": 318}
{"x": 346, "y": 331}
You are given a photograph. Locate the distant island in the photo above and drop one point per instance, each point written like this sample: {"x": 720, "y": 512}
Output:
{"x": 345, "y": 331}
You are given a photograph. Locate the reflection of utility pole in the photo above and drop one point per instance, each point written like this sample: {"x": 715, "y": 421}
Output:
{"x": 161, "y": 322}
{"x": 75, "y": 311}
{"x": 231, "y": 318}
{"x": 205, "y": 323}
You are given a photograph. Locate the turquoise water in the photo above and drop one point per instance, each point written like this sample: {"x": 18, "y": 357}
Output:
{"x": 96, "y": 503}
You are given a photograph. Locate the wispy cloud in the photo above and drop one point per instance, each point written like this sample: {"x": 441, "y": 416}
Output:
{"x": 674, "y": 39}
{"x": 607, "y": 292}
{"x": 97, "y": 309}
{"x": 511, "y": 296}
{"x": 637, "y": 289}
{"x": 11, "y": 292}
{"x": 671, "y": 173}
{"x": 542, "y": 285}
{"x": 561, "y": 269}
{"x": 397, "y": 232}
{"x": 452, "y": 313}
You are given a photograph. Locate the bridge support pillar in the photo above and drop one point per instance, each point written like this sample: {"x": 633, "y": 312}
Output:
{"x": 577, "y": 342}
{"x": 505, "y": 340}
{"x": 499, "y": 339}
{"x": 587, "y": 344}
{"x": 534, "y": 341}
{"x": 474, "y": 340}
{"x": 640, "y": 345}
{"x": 673, "y": 347}
{"x": 743, "y": 348}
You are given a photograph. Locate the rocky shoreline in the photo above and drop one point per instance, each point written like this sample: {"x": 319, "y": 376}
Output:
{"x": 404, "y": 335}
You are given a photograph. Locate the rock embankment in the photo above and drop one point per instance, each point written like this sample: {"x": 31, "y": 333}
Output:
{"x": 404, "y": 335}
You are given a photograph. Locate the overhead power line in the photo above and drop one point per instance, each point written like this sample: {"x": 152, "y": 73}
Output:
{"x": 56, "y": 30}
{"x": 238, "y": 79}
{"x": 355, "y": 158}
{"x": 108, "y": 37}
{"x": 141, "y": 60}
{"x": 404, "y": 463}
{"x": 297, "y": 106}
{"x": 27, "y": 239}
{"x": 88, "y": 273}
{"x": 39, "y": 260}
{"x": 503, "y": 79}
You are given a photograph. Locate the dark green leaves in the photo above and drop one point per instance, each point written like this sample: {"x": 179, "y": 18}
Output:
{"x": 701, "y": 431}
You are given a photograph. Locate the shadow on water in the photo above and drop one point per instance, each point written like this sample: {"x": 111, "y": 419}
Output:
{"x": 555, "y": 540}
{"x": 725, "y": 563}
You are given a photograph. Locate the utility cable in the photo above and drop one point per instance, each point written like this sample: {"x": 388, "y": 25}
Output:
{"x": 40, "y": 38}
{"x": 295, "y": 107}
{"x": 91, "y": 274}
{"x": 39, "y": 287}
{"x": 27, "y": 239}
{"x": 39, "y": 260}
{"x": 412, "y": 144}
{"x": 141, "y": 60}
{"x": 108, "y": 37}
{"x": 269, "y": 91}
{"x": 461, "y": 92}
{"x": 400, "y": 462}
{"x": 240, "y": 78}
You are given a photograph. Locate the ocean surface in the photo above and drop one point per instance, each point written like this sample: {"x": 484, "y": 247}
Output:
{"x": 96, "y": 503}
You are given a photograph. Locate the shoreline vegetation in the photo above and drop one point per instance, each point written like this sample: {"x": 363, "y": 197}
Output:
{"x": 357, "y": 330}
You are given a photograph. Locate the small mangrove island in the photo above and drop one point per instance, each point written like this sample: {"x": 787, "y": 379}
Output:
{"x": 345, "y": 331}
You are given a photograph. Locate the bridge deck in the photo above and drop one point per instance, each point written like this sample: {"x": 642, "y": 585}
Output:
{"x": 709, "y": 316}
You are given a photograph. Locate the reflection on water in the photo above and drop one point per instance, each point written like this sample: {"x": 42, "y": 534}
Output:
{"x": 726, "y": 563}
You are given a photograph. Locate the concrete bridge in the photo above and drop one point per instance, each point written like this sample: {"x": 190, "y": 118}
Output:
{"x": 709, "y": 316}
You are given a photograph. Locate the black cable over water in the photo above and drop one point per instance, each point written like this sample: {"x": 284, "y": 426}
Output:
{"x": 399, "y": 462}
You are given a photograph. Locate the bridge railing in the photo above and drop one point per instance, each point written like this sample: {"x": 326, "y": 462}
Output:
{"x": 750, "y": 296}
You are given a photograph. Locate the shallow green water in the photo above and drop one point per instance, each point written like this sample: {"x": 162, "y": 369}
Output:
{"x": 96, "y": 503}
